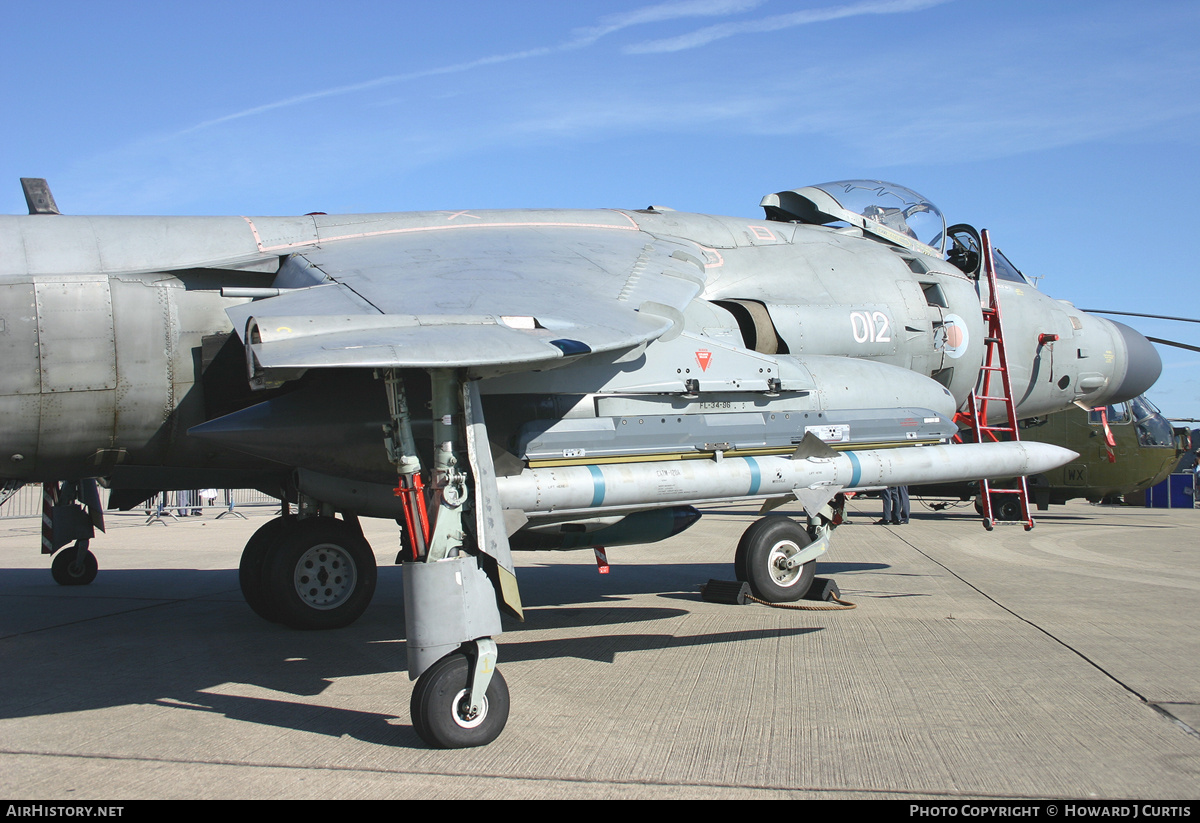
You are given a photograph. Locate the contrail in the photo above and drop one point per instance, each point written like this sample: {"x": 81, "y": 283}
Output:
{"x": 582, "y": 38}
{"x": 702, "y": 37}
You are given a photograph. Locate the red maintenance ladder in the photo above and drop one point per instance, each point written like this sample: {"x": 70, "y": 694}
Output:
{"x": 995, "y": 362}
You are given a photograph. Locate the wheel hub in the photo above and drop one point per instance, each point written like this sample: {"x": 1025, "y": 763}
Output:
{"x": 325, "y": 576}
{"x": 777, "y": 560}
{"x": 462, "y": 708}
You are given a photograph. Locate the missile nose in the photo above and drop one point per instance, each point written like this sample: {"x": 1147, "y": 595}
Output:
{"x": 684, "y": 517}
{"x": 1144, "y": 364}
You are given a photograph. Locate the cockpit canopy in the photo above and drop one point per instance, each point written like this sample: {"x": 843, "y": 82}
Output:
{"x": 894, "y": 213}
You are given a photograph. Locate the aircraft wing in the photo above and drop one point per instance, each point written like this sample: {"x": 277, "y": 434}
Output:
{"x": 493, "y": 297}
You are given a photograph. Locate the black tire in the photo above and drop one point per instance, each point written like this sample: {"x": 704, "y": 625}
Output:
{"x": 763, "y": 547}
{"x": 320, "y": 575}
{"x": 1008, "y": 510}
{"x": 253, "y": 566}
{"x": 68, "y": 573}
{"x": 739, "y": 560}
{"x": 436, "y": 700}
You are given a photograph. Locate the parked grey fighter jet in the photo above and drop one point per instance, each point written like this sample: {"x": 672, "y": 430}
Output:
{"x": 519, "y": 379}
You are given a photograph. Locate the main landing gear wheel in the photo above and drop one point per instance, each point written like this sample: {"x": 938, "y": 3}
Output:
{"x": 319, "y": 574}
{"x": 439, "y": 706}
{"x": 72, "y": 567}
{"x": 253, "y": 564}
{"x": 761, "y": 560}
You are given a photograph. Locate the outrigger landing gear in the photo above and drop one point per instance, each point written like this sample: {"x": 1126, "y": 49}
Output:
{"x": 71, "y": 511}
{"x": 310, "y": 573}
{"x": 74, "y": 566}
{"x": 452, "y": 708}
{"x": 459, "y": 569}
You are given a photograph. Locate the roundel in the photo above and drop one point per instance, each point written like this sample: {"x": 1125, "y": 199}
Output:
{"x": 952, "y": 337}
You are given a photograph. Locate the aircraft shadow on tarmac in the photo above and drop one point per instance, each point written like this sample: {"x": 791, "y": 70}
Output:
{"x": 560, "y": 584}
{"x": 170, "y": 637}
{"x": 380, "y": 729}
{"x": 1048, "y": 518}
{"x": 1091, "y": 521}
{"x": 386, "y": 730}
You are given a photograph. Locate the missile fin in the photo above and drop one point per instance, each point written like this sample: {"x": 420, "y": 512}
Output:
{"x": 813, "y": 446}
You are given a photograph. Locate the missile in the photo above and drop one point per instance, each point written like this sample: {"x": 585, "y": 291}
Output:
{"x": 629, "y": 486}
{"x": 622, "y": 488}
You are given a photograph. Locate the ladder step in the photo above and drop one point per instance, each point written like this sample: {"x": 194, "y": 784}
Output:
{"x": 993, "y": 352}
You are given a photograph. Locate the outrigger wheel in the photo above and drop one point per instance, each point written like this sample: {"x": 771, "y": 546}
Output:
{"x": 440, "y": 706}
{"x": 74, "y": 566}
{"x": 762, "y": 555}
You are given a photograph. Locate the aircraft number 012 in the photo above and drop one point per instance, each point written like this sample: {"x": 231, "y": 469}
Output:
{"x": 870, "y": 327}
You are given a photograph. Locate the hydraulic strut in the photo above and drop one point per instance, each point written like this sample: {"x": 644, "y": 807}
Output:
{"x": 402, "y": 452}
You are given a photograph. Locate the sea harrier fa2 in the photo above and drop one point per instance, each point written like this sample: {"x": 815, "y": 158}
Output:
{"x": 500, "y": 380}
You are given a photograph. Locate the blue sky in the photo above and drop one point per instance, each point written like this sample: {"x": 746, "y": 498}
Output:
{"x": 1069, "y": 129}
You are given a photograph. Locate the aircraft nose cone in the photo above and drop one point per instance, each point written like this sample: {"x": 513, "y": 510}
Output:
{"x": 1144, "y": 364}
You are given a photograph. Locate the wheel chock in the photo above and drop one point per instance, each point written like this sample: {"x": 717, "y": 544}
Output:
{"x": 823, "y": 589}
{"x": 732, "y": 592}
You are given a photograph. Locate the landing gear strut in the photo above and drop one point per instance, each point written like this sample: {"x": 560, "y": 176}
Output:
{"x": 460, "y": 569}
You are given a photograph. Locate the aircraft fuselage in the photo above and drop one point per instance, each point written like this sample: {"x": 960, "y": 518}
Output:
{"x": 116, "y": 339}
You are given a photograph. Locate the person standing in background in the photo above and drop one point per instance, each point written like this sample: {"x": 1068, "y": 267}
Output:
{"x": 891, "y": 507}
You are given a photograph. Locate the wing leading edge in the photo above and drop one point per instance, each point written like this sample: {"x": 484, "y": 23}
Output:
{"x": 493, "y": 298}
